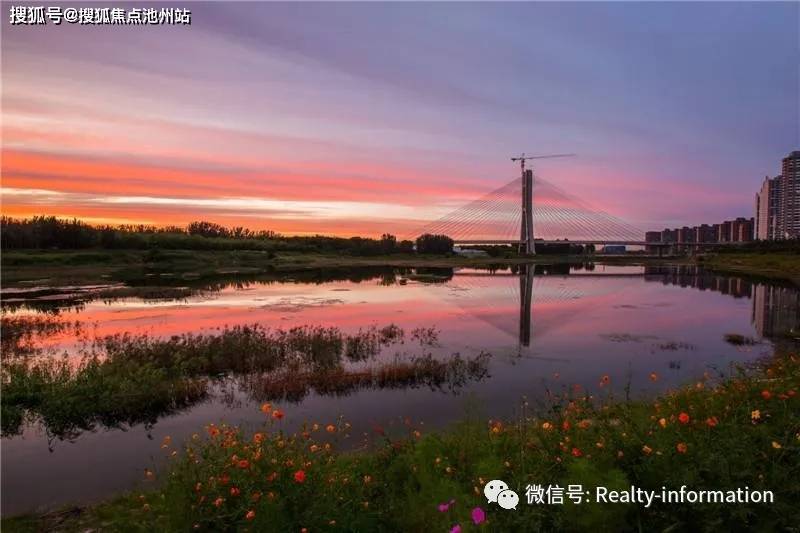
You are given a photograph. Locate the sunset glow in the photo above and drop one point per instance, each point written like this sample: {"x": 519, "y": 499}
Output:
{"x": 313, "y": 119}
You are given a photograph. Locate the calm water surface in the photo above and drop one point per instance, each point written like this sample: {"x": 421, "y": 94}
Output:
{"x": 546, "y": 328}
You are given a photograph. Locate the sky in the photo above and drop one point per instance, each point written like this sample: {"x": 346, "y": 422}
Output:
{"x": 365, "y": 118}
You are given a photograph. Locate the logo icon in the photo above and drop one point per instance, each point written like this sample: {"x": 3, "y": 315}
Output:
{"x": 497, "y": 491}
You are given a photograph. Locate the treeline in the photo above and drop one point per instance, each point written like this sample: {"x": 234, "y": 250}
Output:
{"x": 49, "y": 232}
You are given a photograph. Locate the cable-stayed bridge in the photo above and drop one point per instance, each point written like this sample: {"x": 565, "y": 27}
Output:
{"x": 525, "y": 211}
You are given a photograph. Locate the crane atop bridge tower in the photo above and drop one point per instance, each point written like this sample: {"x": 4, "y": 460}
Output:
{"x": 526, "y": 224}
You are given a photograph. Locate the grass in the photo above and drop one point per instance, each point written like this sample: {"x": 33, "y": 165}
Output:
{"x": 738, "y": 339}
{"x": 129, "y": 379}
{"x": 743, "y": 431}
{"x": 771, "y": 265}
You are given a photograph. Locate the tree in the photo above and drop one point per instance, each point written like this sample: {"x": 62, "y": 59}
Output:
{"x": 405, "y": 247}
{"x": 388, "y": 243}
{"x": 434, "y": 244}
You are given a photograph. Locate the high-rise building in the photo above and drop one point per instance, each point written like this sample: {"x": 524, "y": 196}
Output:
{"x": 725, "y": 234}
{"x": 685, "y": 235}
{"x": 652, "y": 236}
{"x": 704, "y": 233}
{"x": 789, "y": 215}
{"x": 742, "y": 230}
{"x": 768, "y": 209}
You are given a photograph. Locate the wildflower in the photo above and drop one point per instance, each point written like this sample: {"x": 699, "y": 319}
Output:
{"x": 417, "y": 434}
{"x": 314, "y": 448}
{"x": 712, "y": 421}
{"x": 456, "y": 529}
{"x": 444, "y": 507}
{"x": 681, "y": 447}
{"x": 235, "y": 491}
{"x": 662, "y": 422}
{"x": 585, "y": 423}
{"x": 683, "y": 418}
{"x": 478, "y": 516}
{"x": 605, "y": 380}
{"x": 244, "y": 463}
{"x": 218, "y": 502}
{"x": 776, "y": 445}
{"x": 755, "y": 415}
{"x": 266, "y": 408}
{"x": 647, "y": 449}
{"x": 599, "y": 444}
{"x": 653, "y": 376}
{"x": 367, "y": 479}
{"x": 258, "y": 438}
{"x": 566, "y": 425}
{"x": 166, "y": 442}
{"x": 250, "y": 515}
{"x": 576, "y": 452}
{"x": 330, "y": 428}
{"x": 300, "y": 476}
{"x": 315, "y": 427}
{"x": 547, "y": 426}
{"x": 149, "y": 474}
{"x": 766, "y": 394}
{"x": 277, "y": 414}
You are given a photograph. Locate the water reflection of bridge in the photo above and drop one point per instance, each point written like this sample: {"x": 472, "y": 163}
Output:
{"x": 775, "y": 308}
{"x": 493, "y": 300}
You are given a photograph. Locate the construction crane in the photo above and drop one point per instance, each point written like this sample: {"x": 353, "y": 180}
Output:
{"x": 522, "y": 158}
{"x": 526, "y": 223}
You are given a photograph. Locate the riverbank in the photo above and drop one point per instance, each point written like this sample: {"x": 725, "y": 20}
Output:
{"x": 737, "y": 433}
{"x": 780, "y": 266}
{"x": 159, "y": 267}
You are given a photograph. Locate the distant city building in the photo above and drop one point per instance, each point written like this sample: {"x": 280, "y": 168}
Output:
{"x": 724, "y": 231}
{"x": 768, "y": 204}
{"x": 777, "y": 216}
{"x": 777, "y": 205}
{"x": 654, "y": 237}
{"x": 788, "y": 226}
{"x": 685, "y": 235}
{"x": 742, "y": 230}
{"x": 704, "y": 233}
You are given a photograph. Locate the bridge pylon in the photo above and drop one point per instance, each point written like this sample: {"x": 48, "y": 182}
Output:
{"x": 526, "y": 223}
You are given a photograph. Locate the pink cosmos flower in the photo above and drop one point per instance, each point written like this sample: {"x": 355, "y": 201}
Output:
{"x": 478, "y": 516}
{"x": 444, "y": 507}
